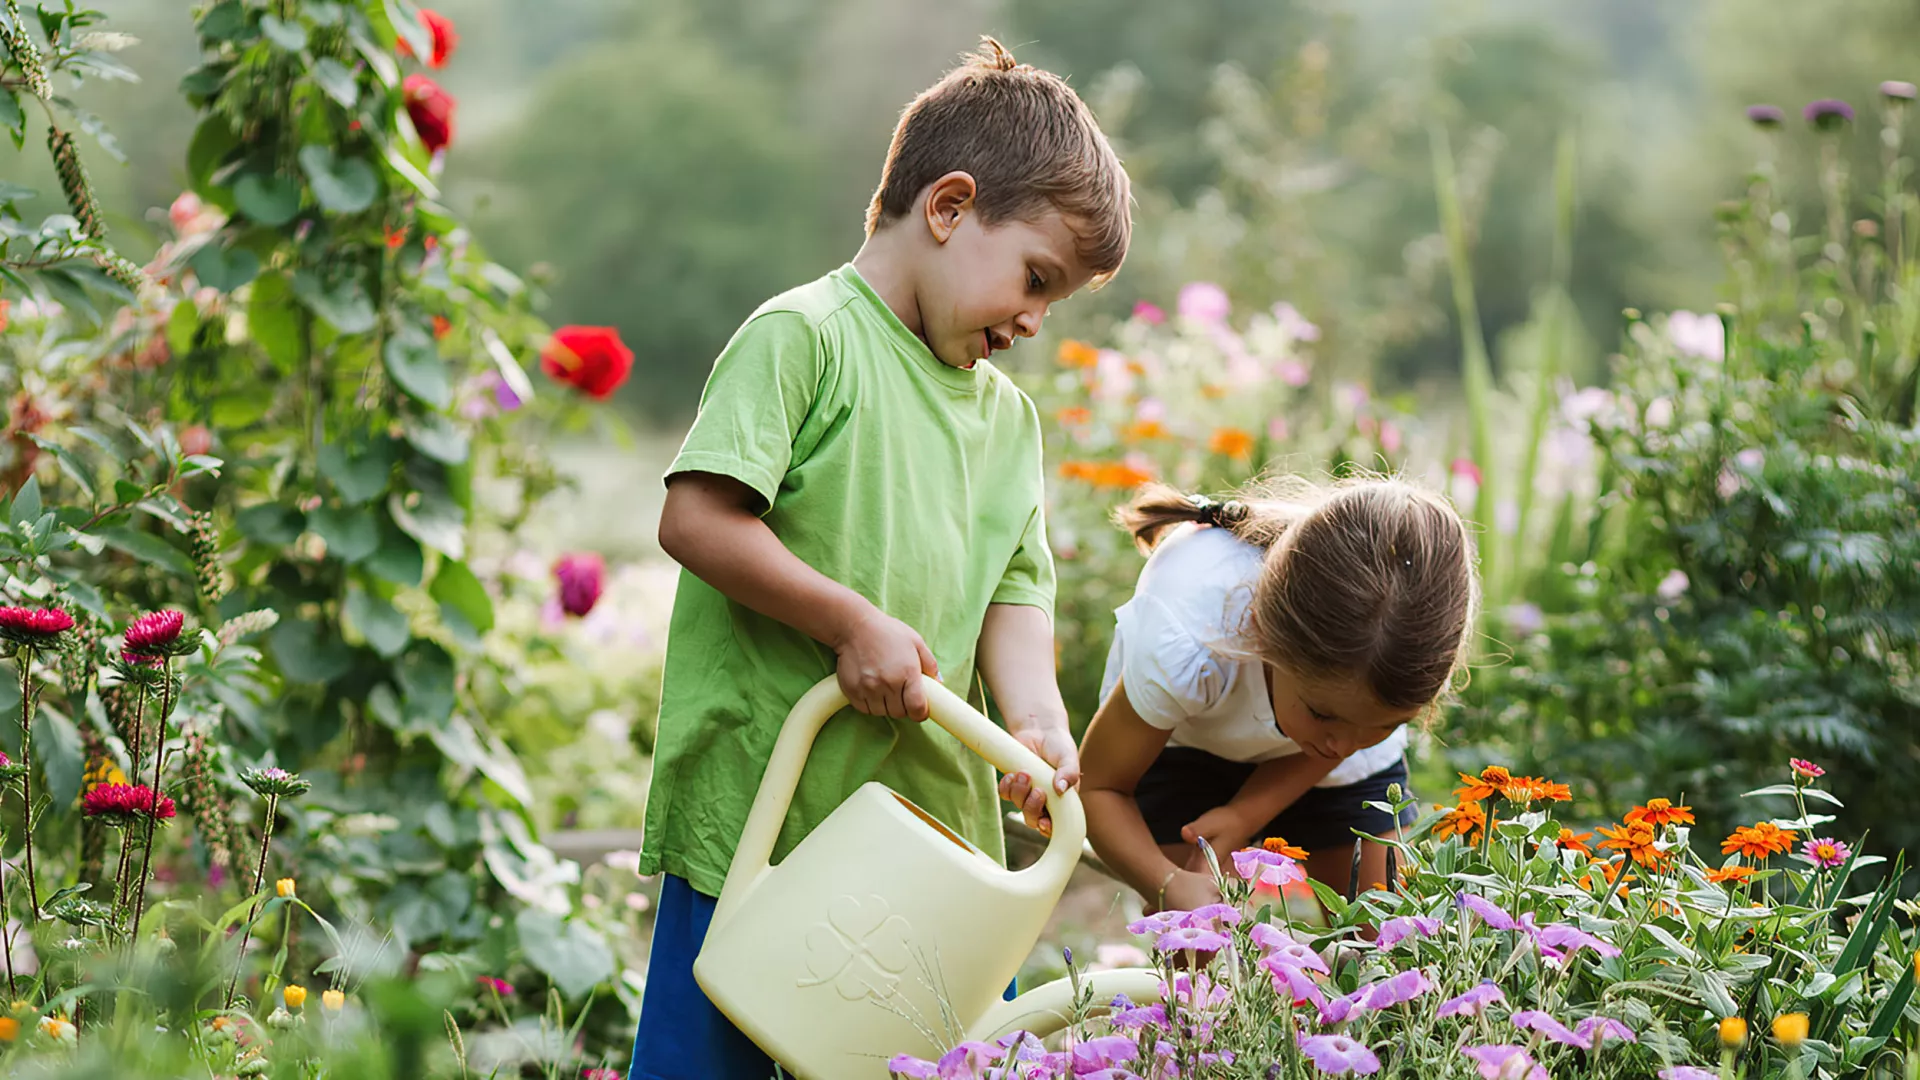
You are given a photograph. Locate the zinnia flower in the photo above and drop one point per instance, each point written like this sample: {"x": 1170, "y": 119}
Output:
{"x": 1660, "y": 812}
{"x": 1826, "y": 852}
{"x": 1467, "y": 821}
{"x": 591, "y": 359}
{"x": 1828, "y": 114}
{"x": 1572, "y": 841}
{"x": 1280, "y": 846}
{"x": 121, "y": 805}
{"x": 36, "y": 628}
{"x": 582, "y": 578}
{"x": 444, "y": 38}
{"x": 1734, "y": 873}
{"x": 1636, "y": 838}
{"x": 1492, "y": 780}
{"x": 1805, "y": 770}
{"x": 1337, "y": 1055}
{"x": 431, "y": 110}
{"x": 1230, "y": 442}
{"x": 1766, "y": 116}
{"x": 1790, "y": 1029}
{"x": 1528, "y": 789}
{"x": 1757, "y": 841}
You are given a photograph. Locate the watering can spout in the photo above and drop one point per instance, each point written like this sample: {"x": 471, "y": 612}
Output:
{"x": 882, "y": 932}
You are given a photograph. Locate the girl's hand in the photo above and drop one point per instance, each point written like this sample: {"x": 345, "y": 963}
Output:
{"x": 1187, "y": 891}
{"x": 1224, "y": 828}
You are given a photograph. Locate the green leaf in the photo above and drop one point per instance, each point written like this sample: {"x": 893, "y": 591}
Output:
{"x": 342, "y": 185}
{"x": 571, "y": 954}
{"x": 344, "y": 305}
{"x": 399, "y": 559}
{"x": 78, "y": 471}
{"x": 426, "y": 678}
{"x": 225, "y": 269}
{"x": 464, "y": 746}
{"x": 180, "y": 327}
{"x": 269, "y": 200}
{"x": 415, "y": 365}
{"x": 60, "y": 755}
{"x": 213, "y": 141}
{"x": 307, "y": 655}
{"x": 25, "y": 507}
{"x": 384, "y": 626}
{"x": 226, "y": 21}
{"x": 351, "y": 533}
{"x": 270, "y": 523}
{"x": 274, "y": 322}
{"x": 12, "y": 192}
{"x": 358, "y": 477}
{"x": 436, "y": 436}
{"x": 14, "y": 120}
{"x": 435, "y": 520}
{"x": 148, "y": 548}
{"x": 336, "y": 81}
{"x": 456, "y": 586}
{"x": 290, "y": 36}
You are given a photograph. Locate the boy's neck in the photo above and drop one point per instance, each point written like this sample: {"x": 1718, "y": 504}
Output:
{"x": 885, "y": 266}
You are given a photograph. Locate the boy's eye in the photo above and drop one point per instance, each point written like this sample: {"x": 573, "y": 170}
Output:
{"x": 1034, "y": 282}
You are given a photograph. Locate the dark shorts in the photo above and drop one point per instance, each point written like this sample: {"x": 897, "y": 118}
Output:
{"x": 1184, "y": 783}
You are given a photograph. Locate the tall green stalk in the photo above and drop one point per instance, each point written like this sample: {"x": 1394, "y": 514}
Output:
{"x": 1476, "y": 370}
{"x": 1551, "y": 330}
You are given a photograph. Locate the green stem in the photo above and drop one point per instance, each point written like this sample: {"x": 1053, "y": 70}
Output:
{"x": 259, "y": 876}
{"x": 6, "y": 932}
{"x": 153, "y": 809}
{"x": 25, "y": 658}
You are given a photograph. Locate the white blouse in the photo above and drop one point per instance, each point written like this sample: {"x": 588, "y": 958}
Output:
{"x": 1181, "y": 644}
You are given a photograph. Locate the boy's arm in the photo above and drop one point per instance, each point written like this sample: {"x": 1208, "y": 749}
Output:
{"x": 1272, "y": 788}
{"x": 710, "y": 526}
{"x": 1016, "y": 660}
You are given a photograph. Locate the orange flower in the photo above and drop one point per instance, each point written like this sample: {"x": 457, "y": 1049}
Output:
{"x": 1758, "y": 841}
{"x": 1084, "y": 471}
{"x": 1636, "y": 839}
{"x": 1660, "y": 812}
{"x": 1493, "y": 781}
{"x": 1231, "y": 442}
{"x": 1735, "y": 873}
{"x": 1078, "y": 354}
{"x": 1528, "y": 789}
{"x": 1143, "y": 430}
{"x": 1212, "y": 392}
{"x": 1279, "y": 846}
{"x": 1119, "y": 474}
{"x": 1073, "y": 416}
{"x": 1573, "y": 841}
{"x": 1466, "y": 821}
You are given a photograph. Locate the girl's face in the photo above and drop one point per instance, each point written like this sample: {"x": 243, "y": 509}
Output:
{"x": 1331, "y": 719}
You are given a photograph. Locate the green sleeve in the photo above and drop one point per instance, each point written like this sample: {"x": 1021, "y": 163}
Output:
{"x": 1029, "y": 576}
{"x": 759, "y": 394}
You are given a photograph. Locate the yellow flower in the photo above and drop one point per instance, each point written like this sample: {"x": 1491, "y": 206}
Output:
{"x": 56, "y": 1028}
{"x": 9, "y": 1029}
{"x": 1790, "y": 1028}
{"x": 1916, "y": 964}
{"x": 1733, "y": 1031}
{"x": 296, "y": 996}
{"x": 333, "y": 1000}
{"x": 284, "y": 886}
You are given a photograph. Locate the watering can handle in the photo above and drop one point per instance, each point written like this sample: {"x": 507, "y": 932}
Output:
{"x": 822, "y": 703}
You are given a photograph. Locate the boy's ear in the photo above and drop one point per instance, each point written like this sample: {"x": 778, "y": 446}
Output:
{"x": 949, "y": 200}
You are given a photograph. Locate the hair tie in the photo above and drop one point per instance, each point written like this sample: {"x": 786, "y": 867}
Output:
{"x": 1216, "y": 513}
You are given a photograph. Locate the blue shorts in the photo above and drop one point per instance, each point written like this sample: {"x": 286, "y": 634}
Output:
{"x": 682, "y": 1035}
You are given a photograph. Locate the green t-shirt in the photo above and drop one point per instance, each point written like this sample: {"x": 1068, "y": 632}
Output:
{"x": 916, "y": 484}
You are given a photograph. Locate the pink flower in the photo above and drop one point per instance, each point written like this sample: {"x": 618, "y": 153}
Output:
{"x": 151, "y": 637}
{"x": 582, "y": 578}
{"x": 498, "y": 986}
{"x": 1264, "y": 867}
{"x": 1293, "y": 324}
{"x": 1149, "y": 313}
{"x": 1190, "y": 939}
{"x": 1390, "y": 438}
{"x": 1673, "y": 586}
{"x": 33, "y": 626}
{"x": 1806, "y": 770}
{"x": 1466, "y": 469}
{"x": 1492, "y": 914}
{"x": 1535, "y": 1020}
{"x": 1473, "y": 1002}
{"x": 1212, "y": 916}
{"x": 1277, "y": 429}
{"x": 1697, "y": 335}
{"x": 1505, "y": 1062}
{"x": 1203, "y": 301}
{"x": 1688, "y": 1072}
{"x": 1397, "y": 990}
{"x": 1558, "y": 940}
{"x": 1396, "y": 930}
{"x": 1337, "y": 1055}
{"x": 122, "y": 804}
{"x": 1598, "y": 1029}
{"x": 1300, "y": 956}
{"x": 1826, "y": 853}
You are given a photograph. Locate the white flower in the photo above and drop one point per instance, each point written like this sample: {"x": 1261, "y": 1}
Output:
{"x": 1673, "y": 586}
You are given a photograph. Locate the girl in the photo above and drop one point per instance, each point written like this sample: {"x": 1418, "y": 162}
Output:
{"x": 1262, "y": 676}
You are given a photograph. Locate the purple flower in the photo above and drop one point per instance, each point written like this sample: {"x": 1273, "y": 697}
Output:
{"x": 967, "y": 1059}
{"x": 1396, "y": 930}
{"x": 1203, "y": 301}
{"x": 1211, "y": 916}
{"x": 1766, "y": 116}
{"x": 1828, "y": 114}
{"x": 1337, "y": 1055}
{"x": 1473, "y": 1002}
{"x": 1535, "y": 1020}
{"x": 1263, "y": 867}
{"x": 1269, "y": 936}
{"x": 1490, "y": 913}
{"x": 1826, "y": 852}
{"x": 1103, "y": 1052}
{"x": 1688, "y": 1072}
{"x": 1293, "y": 984}
{"x": 504, "y": 396}
{"x": 1126, "y": 1016}
{"x": 908, "y": 1067}
{"x": 1158, "y": 923}
{"x": 1400, "y": 988}
{"x": 1293, "y": 324}
{"x": 1210, "y": 994}
{"x": 1341, "y": 1009}
{"x": 1895, "y": 90}
{"x": 582, "y": 577}
{"x": 1560, "y": 939}
{"x": 1190, "y": 939}
{"x": 1505, "y": 1062}
{"x": 1598, "y": 1029}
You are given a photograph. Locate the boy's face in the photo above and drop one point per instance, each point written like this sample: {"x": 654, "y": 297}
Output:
{"x": 983, "y": 286}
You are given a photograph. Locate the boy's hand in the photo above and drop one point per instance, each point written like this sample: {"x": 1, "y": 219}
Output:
{"x": 1055, "y": 747}
{"x": 881, "y": 661}
{"x": 1187, "y": 891}
{"x": 1225, "y": 829}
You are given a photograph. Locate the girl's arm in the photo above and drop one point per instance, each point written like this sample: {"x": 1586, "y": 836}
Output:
{"x": 1272, "y": 788}
{"x": 1016, "y": 660}
{"x": 1118, "y": 748}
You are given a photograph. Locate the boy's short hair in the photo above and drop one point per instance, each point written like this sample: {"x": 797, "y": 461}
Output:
{"x": 1030, "y": 145}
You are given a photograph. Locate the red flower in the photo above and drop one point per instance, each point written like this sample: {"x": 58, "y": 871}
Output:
{"x": 582, "y": 578}
{"x": 591, "y": 359}
{"x": 33, "y": 626}
{"x": 121, "y": 804}
{"x": 152, "y": 637}
{"x": 1805, "y": 770}
{"x": 441, "y": 326}
{"x": 444, "y": 38}
{"x": 431, "y": 110}
{"x": 497, "y": 985}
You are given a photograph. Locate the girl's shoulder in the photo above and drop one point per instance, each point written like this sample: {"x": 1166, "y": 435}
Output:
{"x": 1205, "y": 576}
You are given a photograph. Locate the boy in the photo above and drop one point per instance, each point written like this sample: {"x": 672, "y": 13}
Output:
{"x": 861, "y": 495}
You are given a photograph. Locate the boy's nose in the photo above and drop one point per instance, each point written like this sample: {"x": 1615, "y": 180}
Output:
{"x": 1027, "y": 323}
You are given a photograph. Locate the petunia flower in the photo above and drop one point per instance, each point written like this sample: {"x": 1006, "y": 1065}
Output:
{"x": 1504, "y": 1061}
{"x": 1190, "y": 939}
{"x": 1337, "y": 1055}
{"x": 1212, "y": 916}
{"x": 1564, "y": 939}
{"x": 1293, "y": 984}
{"x": 1158, "y": 923}
{"x": 1402, "y": 927}
{"x": 1399, "y": 989}
{"x": 1598, "y": 1029}
{"x": 1688, "y": 1072}
{"x": 1264, "y": 867}
{"x": 1269, "y": 936}
{"x": 1473, "y": 1002}
{"x": 1300, "y": 956}
{"x": 1103, "y": 1052}
{"x": 1490, "y": 913}
{"x": 1535, "y": 1020}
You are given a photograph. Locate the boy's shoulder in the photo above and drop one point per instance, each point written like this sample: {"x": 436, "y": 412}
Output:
{"x": 817, "y": 302}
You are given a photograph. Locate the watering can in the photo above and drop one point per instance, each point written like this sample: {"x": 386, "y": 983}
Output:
{"x": 883, "y": 931}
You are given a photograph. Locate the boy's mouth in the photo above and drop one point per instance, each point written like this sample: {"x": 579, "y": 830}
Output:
{"x": 986, "y": 337}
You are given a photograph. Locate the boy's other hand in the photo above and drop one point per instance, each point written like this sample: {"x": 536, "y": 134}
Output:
{"x": 1225, "y": 831}
{"x": 1056, "y": 747}
{"x": 881, "y": 661}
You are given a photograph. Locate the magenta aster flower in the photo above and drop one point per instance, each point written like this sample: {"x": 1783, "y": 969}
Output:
{"x": 498, "y": 986}
{"x": 1766, "y": 116}
{"x": 123, "y": 804}
{"x": 1805, "y": 770}
{"x": 1535, "y": 1020}
{"x": 9, "y": 770}
{"x": 1828, "y": 114}
{"x": 582, "y": 578}
{"x": 1826, "y": 853}
{"x": 1473, "y": 1002}
{"x": 1337, "y": 1055}
{"x": 1895, "y": 90}
{"x": 35, "y": 628}
{"x": 1398, "y": 929}
{"x": 153, "y": 637}
{"x": 1504, "y": 1062}
{"x": 1490, "y": 913}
